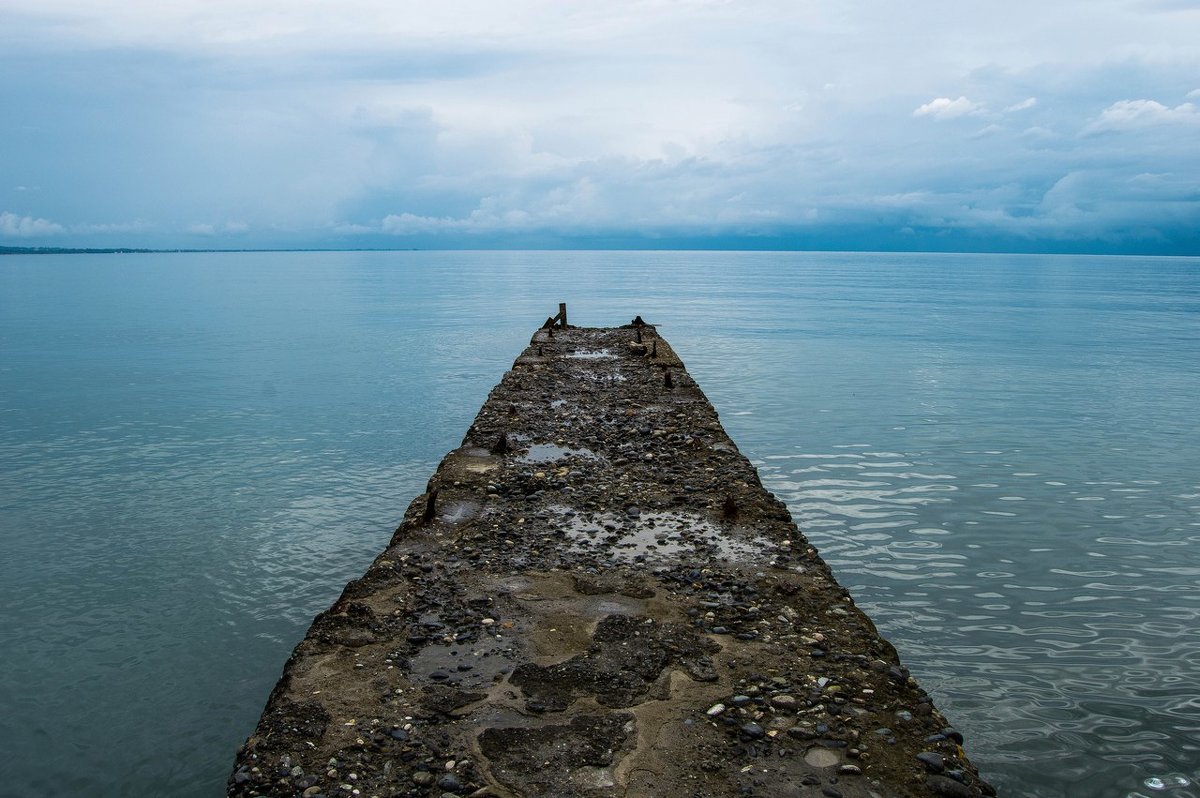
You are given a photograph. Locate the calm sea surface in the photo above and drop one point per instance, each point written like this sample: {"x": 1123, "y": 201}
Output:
{"x": 999, "y": 456}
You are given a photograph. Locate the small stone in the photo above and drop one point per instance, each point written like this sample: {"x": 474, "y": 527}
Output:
{"x": 439, "y": 676}
{"x": 488, "y": 622}
{"x": 948, "y": 788}
{"x": 450, "y": 783}
{"x": 715, "y": 709}
{"x": 752, "y": 731}
{"x": 850, "y": 770}
{"x": 933, "y": 761}
{"x": 820, "y": 757}
{"x": 311, "y": 791}
{"x": 740, "y": 700}
{"x": 954, "y": 734}
{"x": 904, "y": 715}
{"x": 422, "y": 778}
{"x": 632, "y": 512}
{"x": 784, "y": 702}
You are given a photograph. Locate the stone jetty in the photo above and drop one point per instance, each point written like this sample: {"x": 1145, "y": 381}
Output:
{"x": 595, "y": 596}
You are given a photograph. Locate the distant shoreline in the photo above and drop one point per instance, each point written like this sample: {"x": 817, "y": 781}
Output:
{"x": 137, "y": 251}
{"x": 183, "y": 250}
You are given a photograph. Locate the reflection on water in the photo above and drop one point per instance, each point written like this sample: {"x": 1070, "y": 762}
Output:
{"x": 997, "y": 455}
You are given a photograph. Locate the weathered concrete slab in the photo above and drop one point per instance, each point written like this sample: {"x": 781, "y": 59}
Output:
{"x": 596, "y": 597}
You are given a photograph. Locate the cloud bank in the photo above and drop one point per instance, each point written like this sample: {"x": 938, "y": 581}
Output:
{"x": 14, "y": 226}
{"x": 631, "y": 123}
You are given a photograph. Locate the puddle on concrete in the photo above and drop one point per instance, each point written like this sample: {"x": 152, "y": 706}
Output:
{"x": 549, "y": 452}
{"x": 592, "y": 354}
{"x": 476, "y": 451}
{"x": 606, "y": 377}
{"x": 470, "y": 666}
{"x": 457, "y": 512}
{"x": 659, "y": 537}
{"x": 479, "y": 460}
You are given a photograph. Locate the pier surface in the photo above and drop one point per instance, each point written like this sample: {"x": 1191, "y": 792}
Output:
{"x": 597, "y": 597}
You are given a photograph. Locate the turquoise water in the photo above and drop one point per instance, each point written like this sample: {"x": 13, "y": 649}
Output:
{"x": 998, "y": 456}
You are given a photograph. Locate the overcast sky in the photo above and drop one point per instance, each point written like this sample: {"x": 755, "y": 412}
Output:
{"x": 1070, "y": 125}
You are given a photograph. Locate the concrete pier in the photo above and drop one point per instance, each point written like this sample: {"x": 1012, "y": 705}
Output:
{"x": 596, "y": 597}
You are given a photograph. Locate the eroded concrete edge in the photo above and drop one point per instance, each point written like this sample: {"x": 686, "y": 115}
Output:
{"x": 597, "y": 597}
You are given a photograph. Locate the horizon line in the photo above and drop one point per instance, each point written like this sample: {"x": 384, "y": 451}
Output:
{"x": 52, "y": 250}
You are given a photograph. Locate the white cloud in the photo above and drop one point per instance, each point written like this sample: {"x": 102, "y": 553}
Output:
{"x": 1021, "y": 106}
{"x": 1194, "y": 94}
{"x": 1039, "y": 133}
{"x": 987, "y": 131}
{"x": 945, "y": 108}
{"x": 1137, "y": 114}
{"x": 13, "y": 226}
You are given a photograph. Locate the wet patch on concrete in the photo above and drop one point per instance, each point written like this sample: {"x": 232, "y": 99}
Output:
{"x": 651, "y": 537}
{"x": 551, "y": 452}
{"x": 568, "y": 759}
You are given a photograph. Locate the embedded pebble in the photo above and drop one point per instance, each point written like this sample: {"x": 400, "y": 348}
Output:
{"x": 933, "y": 761}
{"x": 948, "y": 788}
{"x": 753, "y": 731}
{"x": 820, "y": 757}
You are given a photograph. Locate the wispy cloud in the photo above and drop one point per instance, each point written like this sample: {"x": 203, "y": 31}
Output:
{"x": 1024, "y": 105}
{"x": 945, "y": 108}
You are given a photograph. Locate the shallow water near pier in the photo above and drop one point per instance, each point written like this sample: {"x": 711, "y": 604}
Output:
{"x": 997, "y": 455}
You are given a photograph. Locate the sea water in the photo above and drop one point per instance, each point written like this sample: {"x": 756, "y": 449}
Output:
{"x": 998, "y": 455}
